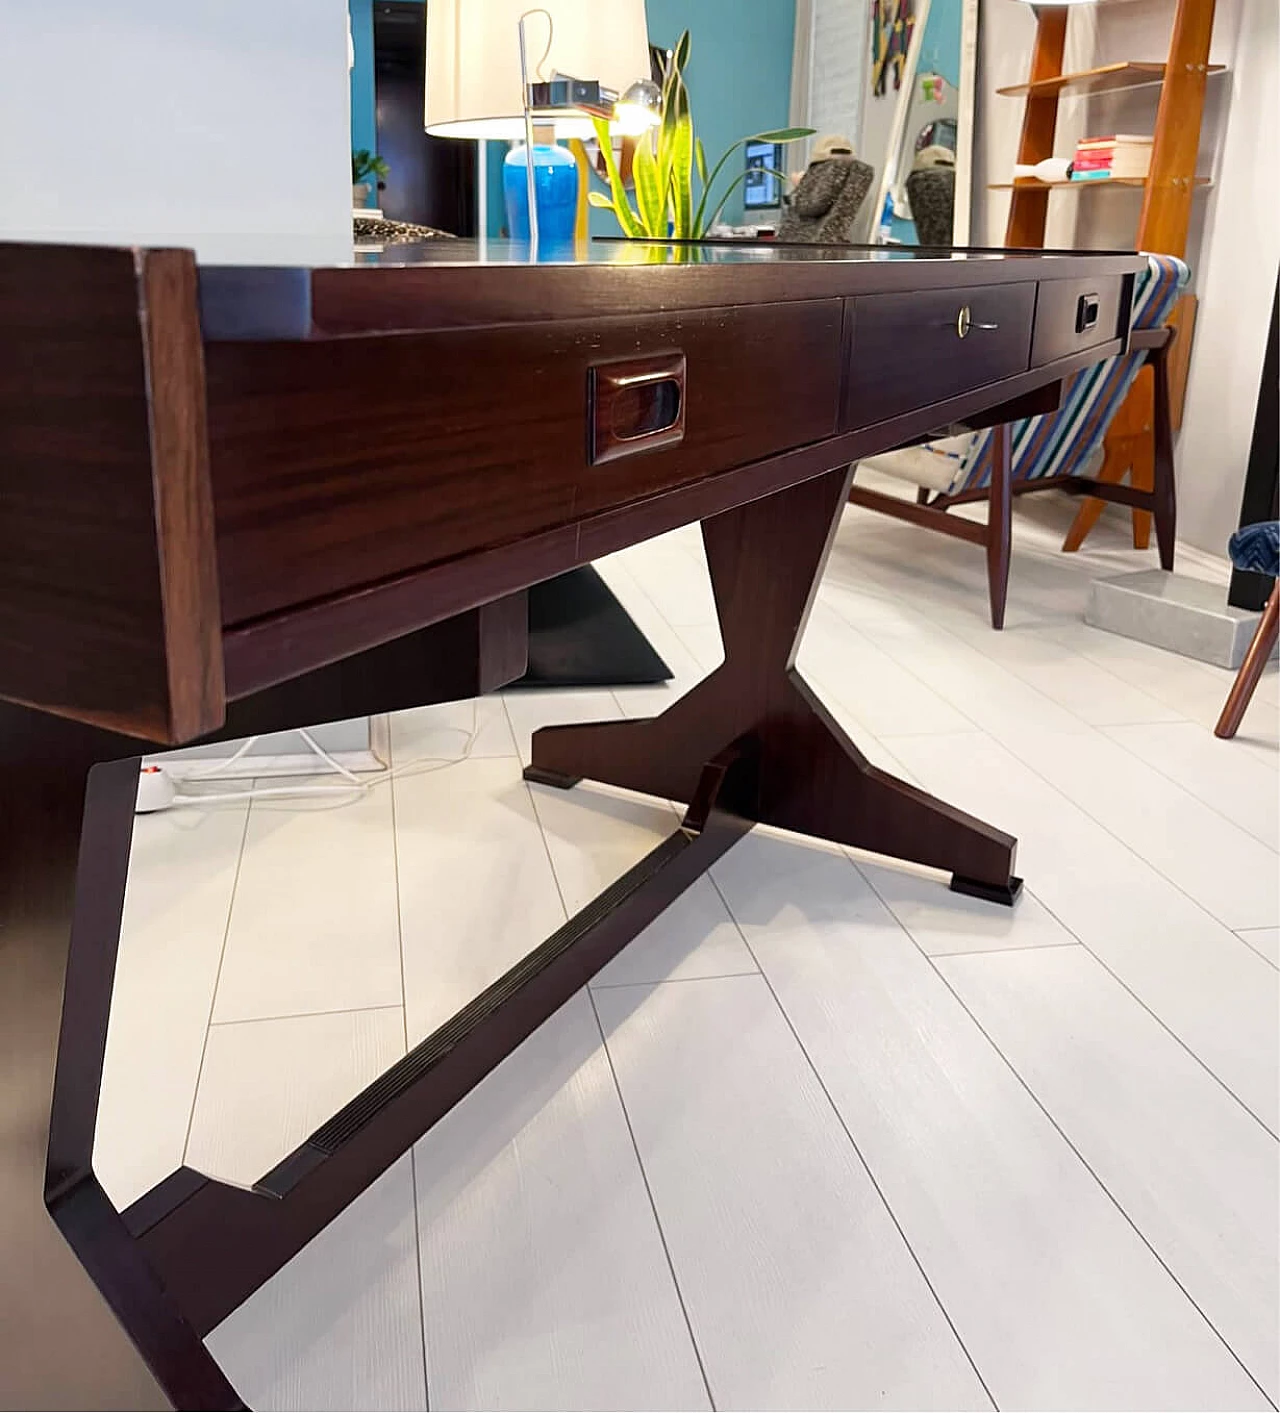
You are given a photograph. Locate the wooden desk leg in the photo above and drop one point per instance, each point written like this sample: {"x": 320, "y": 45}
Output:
{"x": 60, "y": 1344}
{"x": 766, "y": 559}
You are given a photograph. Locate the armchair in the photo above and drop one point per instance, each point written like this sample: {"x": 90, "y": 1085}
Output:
{"x": 1059, "y": 450}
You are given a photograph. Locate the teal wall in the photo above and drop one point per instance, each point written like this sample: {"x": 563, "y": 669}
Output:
{"x": 739, "y": 80}
{"x": 739, "y": 71}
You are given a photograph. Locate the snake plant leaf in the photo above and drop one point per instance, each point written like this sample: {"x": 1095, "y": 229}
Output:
{"x": 599, "y": 200}
{"x": 700, "y": 160}
{"x": 733, "y": 185}
{"x": 627, "y": 218}
{"x": 782, "y": 135}
{"x": 650, "y": 198}
{"x": 682, "y": 174}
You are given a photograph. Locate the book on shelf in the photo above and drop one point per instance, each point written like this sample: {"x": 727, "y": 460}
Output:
{"x": 1117, "y": 139}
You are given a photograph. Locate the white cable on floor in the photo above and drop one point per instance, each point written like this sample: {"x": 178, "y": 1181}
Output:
{"x": 359, "y": 786}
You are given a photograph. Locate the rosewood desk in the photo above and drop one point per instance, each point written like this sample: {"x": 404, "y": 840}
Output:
{"x": 235, "y": 499}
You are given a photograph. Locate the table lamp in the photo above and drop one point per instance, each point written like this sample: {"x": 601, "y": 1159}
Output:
{"x": 474, "y": 89}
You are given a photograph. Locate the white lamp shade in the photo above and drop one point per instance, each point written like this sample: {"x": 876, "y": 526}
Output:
{"x": 473, "y": 59}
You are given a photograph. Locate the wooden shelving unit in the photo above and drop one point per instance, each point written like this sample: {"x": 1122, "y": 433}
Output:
{"x": 1109, "y": 78}
{"x": 1032, "y": 184}
{"x": 1168, "y": 191}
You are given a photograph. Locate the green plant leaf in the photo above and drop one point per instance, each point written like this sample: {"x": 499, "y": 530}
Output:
{"x": 741, "y": 177}
{"x": 651, "y": 200}
{"x": 599, "y": 200}
{"x": 683, "y": 45}
{"x": 699, "y": 223}
{"x": 627, "y": 218}
{"x": 781, "y": 135}
{"x": 682, "y": 174}
{"x": 700, "y": 159}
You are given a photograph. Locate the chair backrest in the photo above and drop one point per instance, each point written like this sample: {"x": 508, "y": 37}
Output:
{"x": 1061, "y": 443}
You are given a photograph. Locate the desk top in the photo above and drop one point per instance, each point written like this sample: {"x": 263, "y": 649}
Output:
{"x": 460, "y": 283}
{"x": 211, "y": 487}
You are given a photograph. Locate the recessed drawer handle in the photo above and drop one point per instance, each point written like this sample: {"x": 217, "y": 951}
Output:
{"x": 635, "y": 405}
{"x": 964, "y": 322}
{"x": 1086, "y": 313}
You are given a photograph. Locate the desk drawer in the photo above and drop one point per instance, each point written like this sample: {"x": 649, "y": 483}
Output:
{"x": 909, "y": 350}
{"x": 1074, "y": 315}
{"x": 337, "y": 463}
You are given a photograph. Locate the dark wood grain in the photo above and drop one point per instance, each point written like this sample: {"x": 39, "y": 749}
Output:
{"x": 217, "y": 1244}
{"x": 810, "y": 777}
{"x": 298, "y": 640}
{"x": 1056, "y": 334}
{"x": 999, "y": 523}
{"x": 447, "y": 285}
{"x": 379, "y": 503}
{"x": 66, "y": 1340}
{"x": 108, "y": 606}
{"x": 338, "y": 464}
{"x": 907, "y": 352}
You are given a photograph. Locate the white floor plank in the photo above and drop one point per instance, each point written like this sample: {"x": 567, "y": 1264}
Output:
{"x": 870, "y": 682}
{"x": 476, "y": 888}
{"x": 1194, "y": 689}
{"x": 595, "y": 833}
{"x": 545, "y": 1284}
{"x": 313, "y": 926}
{"x": 1055, "y": 1297}
{"x": 268, "y": 1085}
{"x": 1211, "y": 989}
{"x": 686, "y": 670}
{"x": 941, "y": 921}
{"x": 672, "y": 570}
{"x": 530, "y": 709}
{"x": 450, "y": 730}
{"x": 694, "y": 938}
{"x": 181, "y": 876}
{"x": 1239, "y": 785}
{"x": 1225, "y": 869}
{"x": 1196, "y": 1175}
{"x": 800, "y": 1290}
{"x": 340, "y": 1327}
{"x": 1265, "y": 941}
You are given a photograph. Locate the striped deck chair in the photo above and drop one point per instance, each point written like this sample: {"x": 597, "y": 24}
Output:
{"x": 1059, "y": 450}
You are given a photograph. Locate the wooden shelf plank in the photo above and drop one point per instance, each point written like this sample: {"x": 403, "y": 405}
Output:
{"x": 1109, "y": 78}
{"x": 1031, "y": 184}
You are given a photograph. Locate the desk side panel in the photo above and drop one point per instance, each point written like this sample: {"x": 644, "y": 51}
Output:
{"x": 108, "y": 584}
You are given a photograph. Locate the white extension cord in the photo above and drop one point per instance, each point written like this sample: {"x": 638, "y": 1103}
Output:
{"x": 158, "y": 791}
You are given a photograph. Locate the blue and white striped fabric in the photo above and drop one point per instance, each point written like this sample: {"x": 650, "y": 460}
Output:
{"x": 1062, "y": 443}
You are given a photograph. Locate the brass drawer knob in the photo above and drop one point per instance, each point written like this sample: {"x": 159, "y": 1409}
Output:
{"x": 964, "y": 322}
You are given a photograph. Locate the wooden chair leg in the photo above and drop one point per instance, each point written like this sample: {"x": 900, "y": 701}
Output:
{"x": 999, "y": 524}
{"x": 1163, "y": 485}
{"x": 1142, "y": 477}
{"x": 1264, "y": 641}
{"x": 1116, "y": 461}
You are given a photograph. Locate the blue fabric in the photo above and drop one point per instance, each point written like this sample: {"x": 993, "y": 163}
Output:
{"x": 1257, "y": 548}
{"x": 1062, "y": 442}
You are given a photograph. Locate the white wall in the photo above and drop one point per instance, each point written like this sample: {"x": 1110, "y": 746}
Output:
{"x": 222, "y": 124}
{"x": 1234, "y": 240}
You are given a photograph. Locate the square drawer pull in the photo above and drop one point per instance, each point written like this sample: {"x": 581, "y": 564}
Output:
{"x": 635, "y": 405}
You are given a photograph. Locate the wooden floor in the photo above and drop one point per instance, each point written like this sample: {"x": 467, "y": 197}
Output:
{"x": 827, "y": 1135}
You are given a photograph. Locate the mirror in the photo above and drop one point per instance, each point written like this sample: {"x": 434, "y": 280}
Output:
{"x": 895, "y": 81}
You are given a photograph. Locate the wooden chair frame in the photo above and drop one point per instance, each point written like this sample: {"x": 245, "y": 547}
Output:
{"x": 996, "y": 535}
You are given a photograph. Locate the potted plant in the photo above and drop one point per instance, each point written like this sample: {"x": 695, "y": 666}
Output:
{"x": 666, "y": 164}
{"x": 365, "y": 164}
